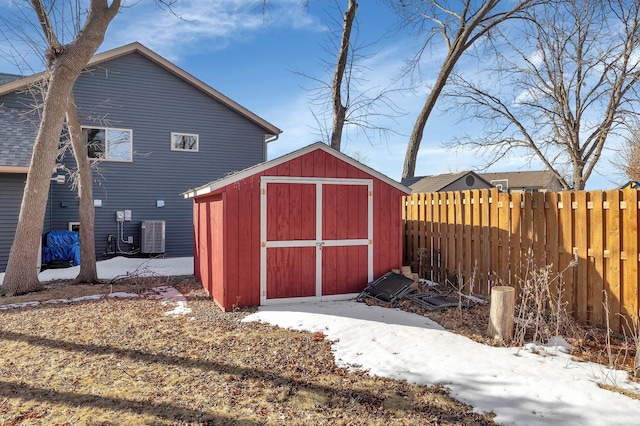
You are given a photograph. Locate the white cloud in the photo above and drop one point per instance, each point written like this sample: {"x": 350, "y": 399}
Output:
{"x": 198, "y": 24}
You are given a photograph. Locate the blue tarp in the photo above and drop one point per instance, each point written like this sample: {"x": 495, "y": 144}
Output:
{"x": 61, "y": 246}
{"x": 62, "y": 238}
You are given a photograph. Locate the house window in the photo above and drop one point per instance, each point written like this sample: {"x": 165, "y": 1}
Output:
{"x": 184, "y": 142}
{"x": 108, "y": 144}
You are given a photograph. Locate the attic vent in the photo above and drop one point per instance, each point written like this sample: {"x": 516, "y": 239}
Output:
{"x": 469, "y": 180}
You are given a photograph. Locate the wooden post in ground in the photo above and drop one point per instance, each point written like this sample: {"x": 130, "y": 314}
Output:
{"x": 501, "y": 313}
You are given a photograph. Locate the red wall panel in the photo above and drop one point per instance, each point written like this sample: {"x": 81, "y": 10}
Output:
{"x": 288, "y": 272}
{"x": 216, "y": 253}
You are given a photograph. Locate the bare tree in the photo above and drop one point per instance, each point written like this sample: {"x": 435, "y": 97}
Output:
{"x": 340, "y": 109}
{"x": 461, "y": 24}
{"x": 567, "y": 82}
{"x": 66, "y": 62}
{"x": 628, "y": 160}
{"x": 344, "y": 96}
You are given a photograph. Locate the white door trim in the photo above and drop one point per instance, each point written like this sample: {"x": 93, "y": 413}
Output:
{"x": 318, "y": 242}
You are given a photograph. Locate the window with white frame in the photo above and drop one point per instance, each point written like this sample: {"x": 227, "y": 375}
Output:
{"x": 184, "y": 142}
{"x": 108, "y": 144}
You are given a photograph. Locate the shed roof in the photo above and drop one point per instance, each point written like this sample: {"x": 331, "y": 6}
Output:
{"x": 21, "y": 83}
{"x": 237, "y": 176}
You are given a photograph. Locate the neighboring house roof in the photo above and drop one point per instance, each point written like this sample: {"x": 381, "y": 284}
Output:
{"x": 410, "y": 181}
{"x": 536, "y": 179}
{"x": 270, "y": 129}
{"x": 7, "y": 78}
{"x": 17, "y": 134}
{"x": 446, "y": 181}
{"x": 237, "y": 176}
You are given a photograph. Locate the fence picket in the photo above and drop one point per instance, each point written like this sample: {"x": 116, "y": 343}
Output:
{"x": 515, "y": 239}
{"x": 630, "y": 247}
{"x": 475, "y": 230}
{"x": 495, "y": 237}
{"x": 551, "y": 215}
{"x": 484, "y": 271}
{"x": 451, "y": 236}
{"x": 581, "y": 234}
{"x": 596, "y": 244}
{"x": 612, "y": 261}
{"x": 503, "y": 241}
{"x": 537, "y": 205}
{"x": 444, "y": 240}
{"x": 415, "y": 229}
{"x": 565, "y": 252}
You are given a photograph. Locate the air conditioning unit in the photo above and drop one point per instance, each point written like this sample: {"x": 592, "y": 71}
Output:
{"x": 152, "y": 236}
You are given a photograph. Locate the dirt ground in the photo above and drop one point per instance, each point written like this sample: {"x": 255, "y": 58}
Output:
{"x": 123, "y": 361}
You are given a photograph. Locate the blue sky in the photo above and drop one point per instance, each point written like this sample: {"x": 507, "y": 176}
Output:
{"x": 251, "y": 55}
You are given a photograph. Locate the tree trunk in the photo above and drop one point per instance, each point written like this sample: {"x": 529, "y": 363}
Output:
{"x": 410, "y": 158}
{"x": 501, "y": 313}
{"x": 88, "y": 270}
{"x": 339, "y": 110}
{"x": 21, "y": 274}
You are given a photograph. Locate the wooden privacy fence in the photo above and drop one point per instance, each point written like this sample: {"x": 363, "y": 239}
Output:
{"x": 492, "y": 236}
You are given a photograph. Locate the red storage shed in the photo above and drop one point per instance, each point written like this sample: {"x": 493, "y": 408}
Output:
{"x": 313, "y": 224}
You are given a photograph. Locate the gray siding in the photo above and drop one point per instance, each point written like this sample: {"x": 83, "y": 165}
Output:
{"x": 461, "y": 184}
{"x": 11, "y": 188}
{"x": 132, "y": 92}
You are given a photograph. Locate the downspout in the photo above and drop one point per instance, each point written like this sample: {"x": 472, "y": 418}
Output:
{"x": 267, "y": 141}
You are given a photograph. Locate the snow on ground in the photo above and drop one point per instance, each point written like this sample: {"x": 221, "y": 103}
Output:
{"x": 520, "y": 387}
{"x": 119, "y": 266}
{"x": 122, "y": 266}
{"x": 171, "y": 296}
{"x": 118, "y": 294}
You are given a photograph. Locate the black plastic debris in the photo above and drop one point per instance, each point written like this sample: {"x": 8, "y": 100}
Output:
{"x": 432, "y": 301}
{"x": 388, "y": 289}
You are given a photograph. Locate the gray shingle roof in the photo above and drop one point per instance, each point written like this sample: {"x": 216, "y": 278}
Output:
{"x": 535, "y": 179}
{"x": 17, "y": 133}
{"x": 7, "y": 78}
{"x": 433, "y": 183}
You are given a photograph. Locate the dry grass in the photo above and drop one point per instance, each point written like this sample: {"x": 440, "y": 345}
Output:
{"x": 121, "y": 362}
{"x": 621, "y": 391}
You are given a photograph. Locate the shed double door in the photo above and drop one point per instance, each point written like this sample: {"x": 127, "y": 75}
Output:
{"x": 316, "y": 237}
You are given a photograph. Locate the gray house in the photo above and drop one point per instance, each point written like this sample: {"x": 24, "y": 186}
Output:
{"x": 155, "y": 130}
{"x": 459, "y": 181}
{"x": 527, "y": 181}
